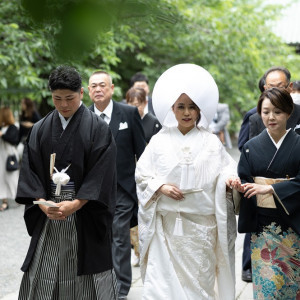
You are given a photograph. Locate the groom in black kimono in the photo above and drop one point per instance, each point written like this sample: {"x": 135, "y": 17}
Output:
{"x": 127, "y": 130}
{"x": 73, "y": 239}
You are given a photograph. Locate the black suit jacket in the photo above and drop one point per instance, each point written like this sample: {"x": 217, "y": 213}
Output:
{"x": 127, "y": 130}
{"x": 244, "y": 132}
{"x": 256, "y": 125}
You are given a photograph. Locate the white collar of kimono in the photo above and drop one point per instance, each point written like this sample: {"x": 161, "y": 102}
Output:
{"x": 107, "y": 111}
{"x": 64, "y": 122}
{"x": 188, "y": 79}
{"x": 193, "y": 131}
{"x": 277, "y": 145}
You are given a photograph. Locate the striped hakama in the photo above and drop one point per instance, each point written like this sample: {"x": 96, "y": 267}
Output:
{"x": 52, "y": 274}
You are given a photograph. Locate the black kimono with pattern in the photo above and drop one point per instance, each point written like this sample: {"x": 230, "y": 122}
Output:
{"x": 260, "y": 158}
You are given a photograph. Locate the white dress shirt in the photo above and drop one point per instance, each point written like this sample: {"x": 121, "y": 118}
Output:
{"x": 107, "y": 111}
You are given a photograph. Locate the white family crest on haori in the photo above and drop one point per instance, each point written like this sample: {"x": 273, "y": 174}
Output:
{"x": 297, "y": 126}
{"x": 123, "y": 126}
{"x": 189, "y": 79}
{"x": 60, "y": 178}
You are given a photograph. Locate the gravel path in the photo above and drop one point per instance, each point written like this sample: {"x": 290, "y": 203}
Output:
{"x": 14, "y": 242}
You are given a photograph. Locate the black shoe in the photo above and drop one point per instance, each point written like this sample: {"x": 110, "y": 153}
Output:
{"x": 122, "y": 297}
{"x": 247, "y": 275}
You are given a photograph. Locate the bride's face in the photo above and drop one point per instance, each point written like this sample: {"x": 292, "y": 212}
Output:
{"x": 186, "y": 113}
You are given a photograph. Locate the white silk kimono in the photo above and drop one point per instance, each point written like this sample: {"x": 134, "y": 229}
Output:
{"x": 185, "y": 266}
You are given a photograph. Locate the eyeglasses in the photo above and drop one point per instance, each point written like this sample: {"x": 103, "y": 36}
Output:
{"x": 269, "y": 86}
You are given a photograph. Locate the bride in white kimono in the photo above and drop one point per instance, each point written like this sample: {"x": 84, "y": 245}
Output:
{"x": 187, "y": 226}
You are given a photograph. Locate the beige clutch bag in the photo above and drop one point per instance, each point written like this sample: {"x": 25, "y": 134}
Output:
{"x": 267, "y": 200}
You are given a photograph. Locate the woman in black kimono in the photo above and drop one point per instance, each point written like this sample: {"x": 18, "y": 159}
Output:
{"x": 269, "y": 167}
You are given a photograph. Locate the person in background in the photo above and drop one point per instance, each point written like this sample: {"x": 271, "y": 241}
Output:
{"x": 137, "y": 97}
{"x": 68, "y": 166}
{"x": 218, "y": 126}
{"x": 275, "y": 77}
{"x": 127, "y": 130}
{"x": 269, "y": 169}
{"x": 187, "y": 226}
{"x": 139, "y": 80}
{"x": 244, "y": 131}
{"x": 27, "y": 118}
{"x": 243, "y": 138}
{"x": 9, "y": 138}
{"x": 295, "y": 94}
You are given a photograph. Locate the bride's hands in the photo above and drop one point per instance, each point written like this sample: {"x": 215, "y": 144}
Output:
{"x": 235, "y": 183}
{"x": 171, "y": 191}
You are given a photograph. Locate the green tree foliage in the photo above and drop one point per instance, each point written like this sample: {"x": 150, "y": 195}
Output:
{"x": 37, "y": 35}
{"x": 23, "y": 54}
{"x": 230, "y": 38}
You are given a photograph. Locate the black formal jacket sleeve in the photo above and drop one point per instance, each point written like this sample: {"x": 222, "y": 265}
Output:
{"x": 93, "y": 167}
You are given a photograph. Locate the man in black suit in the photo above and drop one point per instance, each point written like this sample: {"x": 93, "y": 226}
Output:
{"x": 275, "y": 77}
{"x": 139, "y": 80}
{"x": 125, "y": 124}
{"x": 244, "y": 131}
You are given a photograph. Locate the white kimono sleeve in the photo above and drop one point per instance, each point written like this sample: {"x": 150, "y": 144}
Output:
{"x": 230, "y": 169}
{"x": 147, "y": 182}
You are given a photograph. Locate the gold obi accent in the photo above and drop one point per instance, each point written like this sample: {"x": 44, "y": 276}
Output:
{"x": 267, "y": 200}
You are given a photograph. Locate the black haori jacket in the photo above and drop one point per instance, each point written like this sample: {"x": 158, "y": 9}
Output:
{"x": 87, "y": 144}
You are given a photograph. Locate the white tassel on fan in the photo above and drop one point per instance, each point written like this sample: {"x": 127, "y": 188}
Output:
{"x": 178, "y": 228}
{"x": 60, "y": 178}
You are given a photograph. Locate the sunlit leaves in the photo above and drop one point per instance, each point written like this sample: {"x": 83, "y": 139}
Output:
{"x": 230, "y": 38}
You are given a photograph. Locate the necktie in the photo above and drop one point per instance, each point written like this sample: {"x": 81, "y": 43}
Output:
{"x": 102, "y": 115}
